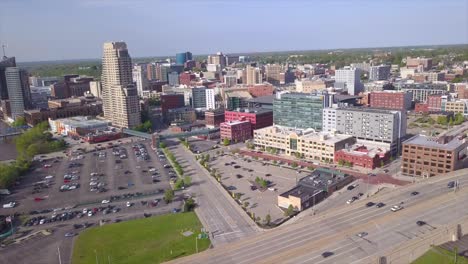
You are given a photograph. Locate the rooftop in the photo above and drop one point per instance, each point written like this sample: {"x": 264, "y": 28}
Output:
{"x": 235, "y": 122}
{"x": 82, "y": 121}
{"x": 369, "y": 109}
{"x": 268, "y": 99}
{"x": 309, "y": 133}
{"x": 434, "y": 142}
{"x": 251, "y": 110}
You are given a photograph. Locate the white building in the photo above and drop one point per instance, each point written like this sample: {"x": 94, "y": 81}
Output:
{"x": 213, "y": 67}
{"x": 95, "y": 88}
{"x": 139, "y": 78}
{"x": 349, "y": 79}
{"x": 230, "y": 80}
{"x": 15, "y": 93}
{"x": 210, "y": 99}
{"x": 329, "y": 120}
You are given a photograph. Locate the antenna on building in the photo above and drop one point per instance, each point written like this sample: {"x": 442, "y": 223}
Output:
{"x": 3, "y": 48}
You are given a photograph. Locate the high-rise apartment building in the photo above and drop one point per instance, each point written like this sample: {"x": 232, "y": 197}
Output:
{"x": 5, "y": 63}
{"x": 173, "y": 78}
{"x": 210, "y": 99}
{"x": 387, "y": 126}
{"x": 119, "y": 94}
{"x": 273, "y": 73}
{"x": 218, "y": 59}
{"x": 298, "y": 110}
{"x": 199, "y": 97}
{"x": 349, "y": 79}
{"x": 15, "y": 93}
{"x": 230, "y": 80}
{"x": 379, "y": 73}
{"x": 253, "y": 75}
{"x": 139, "y": 77}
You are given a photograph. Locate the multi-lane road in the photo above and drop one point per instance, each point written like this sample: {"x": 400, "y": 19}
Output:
{"x": 335, "y": 231}
{"x": 220, "y": 216}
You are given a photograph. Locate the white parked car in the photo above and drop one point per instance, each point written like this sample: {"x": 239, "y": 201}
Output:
{"x": 272, "y": 189}
{"x": 129, "y": 204}
{"x": 9, "y": 205}
{"x": 48, "y": 177}
{"x": 152, "y": 169}
{"x": 90, "y": 213}
{"x": 105, "y": 201}
{"x": 93, "y": 183}
{"x": 93, "y": 174}
{"x": 396, "y": 208}
{"x": 85, "y": 210}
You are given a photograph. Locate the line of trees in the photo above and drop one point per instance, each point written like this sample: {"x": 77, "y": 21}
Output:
{"x": 32, "y": 142}
{"x": 182, "y": 181}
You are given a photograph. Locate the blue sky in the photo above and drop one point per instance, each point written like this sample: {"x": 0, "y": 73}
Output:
{"x": 72, "y": 29}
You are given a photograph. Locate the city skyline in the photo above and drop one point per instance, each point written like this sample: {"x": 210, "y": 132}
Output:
{"x": 358, "y": 24}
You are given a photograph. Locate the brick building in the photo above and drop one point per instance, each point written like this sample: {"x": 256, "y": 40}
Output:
{"x": 64, "y": 109}
{"x": 171, "y": 101}
{"x": 363, "y": 156}
{"x": 263, "y": 89}
{"x": 426, "y": 156}
{"x": 213, "y": 118}
{"x": 186, "y": 78}
{"x": 391, "y": 100}
{"x": 421, "y": 108}
{"x": 258, "y": 117}
{"x": 434, "y": 103}
{"x": 236, "y": 131}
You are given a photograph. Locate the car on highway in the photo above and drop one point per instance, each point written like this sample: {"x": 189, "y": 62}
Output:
{"x": 420, "y": 223}
{"x": 105, "y": 201}
{"x": 369, "y": 204}
{"x": 350, "y": 187}
{"x": 129, "y": 204}
{"x": 396, "y": 208}
{"x": 414, "y": 193}
{"x": 327, "y": 254}
{"x": 69, "y": 234}
{"x": 350, "y": 201}
{"x": 362, "y": 234}
{"x": 379, "y": 205}
{"x": 9, "y": 205}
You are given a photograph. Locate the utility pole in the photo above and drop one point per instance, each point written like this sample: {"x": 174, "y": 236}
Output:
{"x": 3, "y": 48}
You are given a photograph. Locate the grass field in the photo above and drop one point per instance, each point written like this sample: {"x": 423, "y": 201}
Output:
{"x": 149, "y": 240}
{"x": 439, "y": 255}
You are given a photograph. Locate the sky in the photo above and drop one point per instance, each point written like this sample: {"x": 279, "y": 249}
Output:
{"x": 39, "y": 30}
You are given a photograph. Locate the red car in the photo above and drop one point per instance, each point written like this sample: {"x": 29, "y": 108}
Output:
{"x": 38, "y": 199}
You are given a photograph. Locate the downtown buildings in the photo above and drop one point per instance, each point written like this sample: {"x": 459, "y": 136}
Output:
{"x": 119, "y": 94}
{"x": 349, "y": 79}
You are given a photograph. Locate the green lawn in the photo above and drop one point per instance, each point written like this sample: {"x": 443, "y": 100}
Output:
{"x": 149, "y": 240}
{"x": 438, "y": 255}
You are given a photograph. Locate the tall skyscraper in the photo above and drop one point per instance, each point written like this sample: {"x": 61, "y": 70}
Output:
{"x": 349, "y": 79}
{"x": 15, "y": 93}
{"x": 218, "y": 59}
{"x": 119, "y": 94}
{"x": 181, "y": 58}
{"x": 5, "y": 63}
{"x": 299, "y": 110}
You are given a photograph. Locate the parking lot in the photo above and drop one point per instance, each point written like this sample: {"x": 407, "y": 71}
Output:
{"x": 239, "y": 174}
{"x": 91, "y": 176}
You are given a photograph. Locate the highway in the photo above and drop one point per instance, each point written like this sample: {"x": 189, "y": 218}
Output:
{"x": 335, "y": 230}
{"x": 219, "y": 214}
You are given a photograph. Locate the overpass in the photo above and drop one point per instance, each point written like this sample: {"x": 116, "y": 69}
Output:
{"x": 156, "y": 138}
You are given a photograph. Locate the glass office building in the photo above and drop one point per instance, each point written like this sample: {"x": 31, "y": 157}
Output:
{"x": 299, "y": 110}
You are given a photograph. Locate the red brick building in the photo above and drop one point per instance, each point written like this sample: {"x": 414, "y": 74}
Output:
{"x": 421, "y": 108}
{"x": 214, "y": 118}
{"x": 186, "y": 78}
{"x": 171, "y": 101}
{"x": 434, "y": 103}
{"x": 258, "y": 118}
{"x": 258, "y": 90}
{"x": 236, "y": 131}
{"x": 391, "y": 100}
{"x": 362, "y": 156}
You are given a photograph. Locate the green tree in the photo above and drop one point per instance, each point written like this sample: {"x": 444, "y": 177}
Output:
{"x": 294, "y": 165}
{"x": 162, "y": 145}
{"x": 20, "y": 121}
{"x": 267, "y": 219}
{"x": 289, "y": 211}
{"x": 168, "y": 195}
{"x": 246, "y": 204}
{"x": 189, "y": 205}
{"x": 179, "y": 184}
{"x": 442, "y": 120}
{"x": 187, "y": 180}
{"x": 226, "y": 142}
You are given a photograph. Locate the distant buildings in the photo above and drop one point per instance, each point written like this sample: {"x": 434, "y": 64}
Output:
{"x": 253, "y": 75}
{"x": 419, "y": 63}
{"x": 171, "y": 101}
{"x": 278, "y": 74}
{"x": 312, "y": 85}
{"x": 5, "y": 63}
{"x": 95, "y": 88}
{"x": 119, "y": 94}
{"x": 218, "y": 59}
{"x": 420, "y": 91}
{"x": 203, "y": 98}
{"x": 213, "y": 118}
{"x": 139, "y": 77}
{"x": 426, "y": 157}
{"x": 173, "y": 78}
{"x": 299, "y": 110}
{"x": 349, "y": 79}
{"x": 263, "y": 89}
{"x": 379, "y": 73}
{"x": 363, "y": 155}
{"x": 181, "y": 115}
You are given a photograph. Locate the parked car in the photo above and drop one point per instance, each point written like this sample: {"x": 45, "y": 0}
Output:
{"x": 362, "y": 234}
{"x": 9, "y": 205}
{"x": 105, "y": 201}
{"x": 396, "y": 208}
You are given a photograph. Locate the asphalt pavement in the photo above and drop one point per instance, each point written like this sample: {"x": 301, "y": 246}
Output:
{"x": 335, "y": 230}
